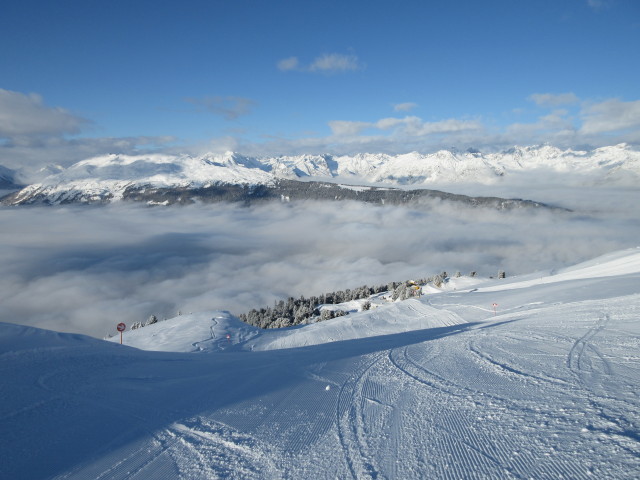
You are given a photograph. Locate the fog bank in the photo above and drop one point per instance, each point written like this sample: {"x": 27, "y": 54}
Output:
{"x": 84, "y": 269}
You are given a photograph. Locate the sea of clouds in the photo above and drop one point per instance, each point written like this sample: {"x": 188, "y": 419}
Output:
{"x": 86, "y": 268}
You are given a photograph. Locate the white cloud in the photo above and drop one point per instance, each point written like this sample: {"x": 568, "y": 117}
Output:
{"x": 554, "y": 99}
{"x": 410, "y": 125}
{"x": 335, "y": 62}
{"x": 34, "y": 135}
{"x": 404, "y": 107}
{"x": 27, "y": 115}
{"x": 291, "y": 63}
{"x": 392, "y": 122}
{"x": 327, "y": 63}
{"x": 343, "y": 127}
{"x": 229, "y": 107}
{"x": 611, "y": 115}
{"x": 578, "y": 125}
{"x": 451, "y": 125}
{"x": 414, "y": 126}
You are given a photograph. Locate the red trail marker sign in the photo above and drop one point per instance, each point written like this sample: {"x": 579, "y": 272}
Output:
{"x": 121, "y": 328}
{"x": 495, "y": 305}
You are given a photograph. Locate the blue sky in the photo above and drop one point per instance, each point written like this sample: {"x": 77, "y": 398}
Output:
{"x": 80, "y": 78}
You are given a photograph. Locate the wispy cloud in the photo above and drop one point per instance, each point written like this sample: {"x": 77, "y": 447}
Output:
{"x": 34, "y": 135}
{"x": 576, "y": 125}
{"x": 414, "y": 126}
{"x": 610, "y": 116}
{"x": 598, "y": 4}
{"x": 348, "y": 128}
{"x": 406, "y": 126}
{"x": 335, "y": 62}
{"x": 27, "y": 116}
{"x": 327, "y": 63}
{"x": 228, "y": 107}
{"x": 554, "y": 99}
{"x": 404, "y": 107}
{"x": 291, "y": 63}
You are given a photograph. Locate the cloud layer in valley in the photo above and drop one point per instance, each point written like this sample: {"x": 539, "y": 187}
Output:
{"x": 84, "y": 269}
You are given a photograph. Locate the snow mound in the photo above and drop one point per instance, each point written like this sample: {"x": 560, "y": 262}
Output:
{"x": 394, "y": 318}
{"x": 197, "y": 332}
{"x": 624, "y": 262}
{"x": 19, "y": 338}
{"x": 220, "y": 331}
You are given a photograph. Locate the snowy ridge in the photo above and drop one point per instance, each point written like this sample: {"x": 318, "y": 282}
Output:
{"x": 544, "y": 385}
{"x": 626, "y": 262}
{"x": 107, "y": 177}
{"x": 207, "y": 331}
{"x": 614, "y": 164}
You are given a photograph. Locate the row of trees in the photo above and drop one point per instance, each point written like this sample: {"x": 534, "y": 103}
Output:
{"x": 290, "y": 312}
{"x": 150, "y": 321}
{"x": 296, "y": 311}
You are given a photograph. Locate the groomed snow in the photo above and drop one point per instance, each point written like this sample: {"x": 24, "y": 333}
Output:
{"x": 544, "y": 386}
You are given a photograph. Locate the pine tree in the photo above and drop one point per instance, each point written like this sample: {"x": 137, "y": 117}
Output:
{"x": 326, "y": 314}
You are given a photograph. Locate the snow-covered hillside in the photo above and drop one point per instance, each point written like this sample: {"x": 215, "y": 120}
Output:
{"x": 542, "y": 385}
{"x": 107, "y": 177}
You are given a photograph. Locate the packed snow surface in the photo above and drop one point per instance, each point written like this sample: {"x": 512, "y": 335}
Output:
{"x": 545, "y": 384}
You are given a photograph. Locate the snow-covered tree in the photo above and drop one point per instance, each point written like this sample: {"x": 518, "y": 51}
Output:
{"x": 326, "y": 314}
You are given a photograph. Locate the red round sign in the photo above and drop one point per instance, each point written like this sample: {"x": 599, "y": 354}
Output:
{"x": 121, "y": 327}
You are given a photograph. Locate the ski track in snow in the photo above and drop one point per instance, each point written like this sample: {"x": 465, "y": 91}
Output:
{"x": 541, "y": 390}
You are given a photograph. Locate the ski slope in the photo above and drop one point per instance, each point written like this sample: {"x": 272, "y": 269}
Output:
{"x": 545, "y": 386}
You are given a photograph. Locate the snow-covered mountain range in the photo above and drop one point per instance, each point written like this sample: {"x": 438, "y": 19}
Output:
{"x": 525, "y": 377}
{"x": 107, "y": 178}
